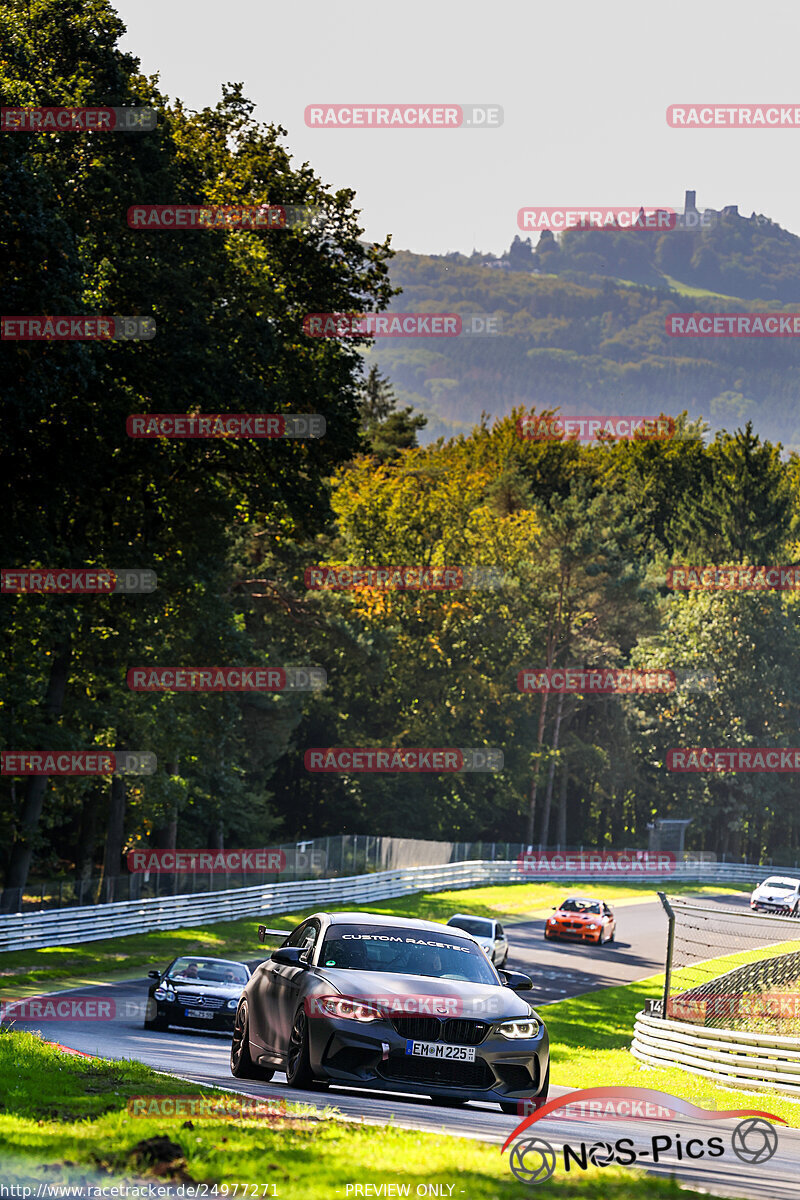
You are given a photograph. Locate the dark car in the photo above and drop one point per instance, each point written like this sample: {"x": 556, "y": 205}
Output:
{"x": 391, "y": 1004}
{"x": 195, "y": 991}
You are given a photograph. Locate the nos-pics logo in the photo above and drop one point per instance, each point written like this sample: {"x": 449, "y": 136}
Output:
{"x": 533, "y": 1159}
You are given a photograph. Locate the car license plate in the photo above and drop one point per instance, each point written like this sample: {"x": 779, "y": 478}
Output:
{"x": 200, "y": 1012}
{"x": 440, "y": 1050}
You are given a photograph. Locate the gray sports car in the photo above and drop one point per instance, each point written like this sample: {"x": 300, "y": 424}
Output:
{"x": 391, "y": 1004}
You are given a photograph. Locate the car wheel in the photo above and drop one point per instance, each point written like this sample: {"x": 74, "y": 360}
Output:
{"x": 505, "y": 960}
{"x": 298, "y": 1065}
{"x": 153, "y": 1021}
{"x": 242, "y": 1065}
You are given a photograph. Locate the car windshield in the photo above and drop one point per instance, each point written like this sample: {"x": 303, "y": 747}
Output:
{"x": 591, "y": 907}
{"x": 477, "y": 926}
{"x": 778, "y": 882}
{"x": 207, "y": 970}
{"x": 405, "y": 952}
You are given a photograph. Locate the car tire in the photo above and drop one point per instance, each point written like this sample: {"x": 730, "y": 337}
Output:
{"x": 510, "y": 1107}
{"x": 298, "y": 1063}
{"x": 242, "y": 1065}
{"x": 505, "y": 960}
{"x": 153, "y": 1022}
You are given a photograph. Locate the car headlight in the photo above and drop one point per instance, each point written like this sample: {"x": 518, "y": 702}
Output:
{"x": 551, "y": 921}
{"x": 520, "y": 1029}
{"x": 593, "y": 926}
{"x": 232, "y": 1004}
{"x": 162, "y": 993}
{"x": 337, "y": 1006}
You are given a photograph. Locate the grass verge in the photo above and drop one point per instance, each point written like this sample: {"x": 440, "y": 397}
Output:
{"x": 25, "y": 971}
{"x": 66, "y": 1119}
{"x": 590, "y": 1038}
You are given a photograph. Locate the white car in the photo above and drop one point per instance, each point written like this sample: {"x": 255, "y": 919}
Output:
{"x": 487, "y": 932}
{"x": 778, "y": 894}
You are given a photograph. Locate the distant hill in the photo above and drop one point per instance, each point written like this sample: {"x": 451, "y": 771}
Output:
{"x": 583, "y": 319}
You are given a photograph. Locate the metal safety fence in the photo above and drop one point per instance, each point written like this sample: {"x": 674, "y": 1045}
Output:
{"x": 67, "y": 926}
{"x": 730, "y": 968}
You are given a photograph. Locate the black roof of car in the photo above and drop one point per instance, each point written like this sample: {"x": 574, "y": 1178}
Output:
{"x": 363, "y": 918}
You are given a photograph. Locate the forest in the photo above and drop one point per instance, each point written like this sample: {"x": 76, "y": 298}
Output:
{"x": 575, "y": 540}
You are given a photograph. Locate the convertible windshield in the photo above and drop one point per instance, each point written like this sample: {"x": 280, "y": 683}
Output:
{"x": 581, "y": 906}
{"x": 404, "y": 952}
{"x": 477, "y": 926}
{"x": 204, "y": 970}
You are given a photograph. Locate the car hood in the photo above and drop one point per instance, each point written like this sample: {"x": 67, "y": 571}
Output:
{"x": 404, "y": 994}
{"x": 774, "y": 893}
{"x": 205, "y": 988}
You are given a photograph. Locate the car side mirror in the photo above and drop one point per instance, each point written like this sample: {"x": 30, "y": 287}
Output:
{"x": 153, "y": 974}
{"x": 516, "y": 981}
{"x": 289, "y": 956}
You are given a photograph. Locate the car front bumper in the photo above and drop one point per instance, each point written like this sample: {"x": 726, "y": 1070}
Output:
{"x": 374, "y": 1056}
{"x": 574, "y": 935}
{"x": 175, "y": 1014}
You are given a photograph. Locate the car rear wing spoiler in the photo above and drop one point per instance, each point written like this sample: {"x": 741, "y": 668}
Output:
{"x": 264, "y": 933}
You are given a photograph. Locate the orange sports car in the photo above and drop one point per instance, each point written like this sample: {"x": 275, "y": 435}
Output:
{"x": 582, "y": 919}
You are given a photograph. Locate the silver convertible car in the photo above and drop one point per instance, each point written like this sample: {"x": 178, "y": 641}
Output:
{"x": 391, "y": 1004}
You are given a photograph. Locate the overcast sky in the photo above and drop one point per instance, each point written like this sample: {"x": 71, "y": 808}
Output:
{"x": 584, "y": 88}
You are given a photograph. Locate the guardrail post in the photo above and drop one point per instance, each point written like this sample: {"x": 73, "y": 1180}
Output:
{"x": 670, "y": 946}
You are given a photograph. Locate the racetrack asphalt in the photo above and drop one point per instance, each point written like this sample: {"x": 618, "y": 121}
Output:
{"x": 559, "y": 970}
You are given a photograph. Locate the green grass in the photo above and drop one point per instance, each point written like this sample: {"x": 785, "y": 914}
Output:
{"x": 25, "y": 971}
{"x": 67, "y": 1119}
{"x": 686, "y": 289}
{"x": 591, "y": 1034}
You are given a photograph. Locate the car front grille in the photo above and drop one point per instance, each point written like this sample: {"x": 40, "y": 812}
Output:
{"x": 457, "y": 1030}
{"x": 194, "y": 1001}
{"x": 477, "y": 1075}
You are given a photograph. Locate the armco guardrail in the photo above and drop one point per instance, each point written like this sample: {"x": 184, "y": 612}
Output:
{"x": 66, "y": 926}
{"x": 751, "y": 1061}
